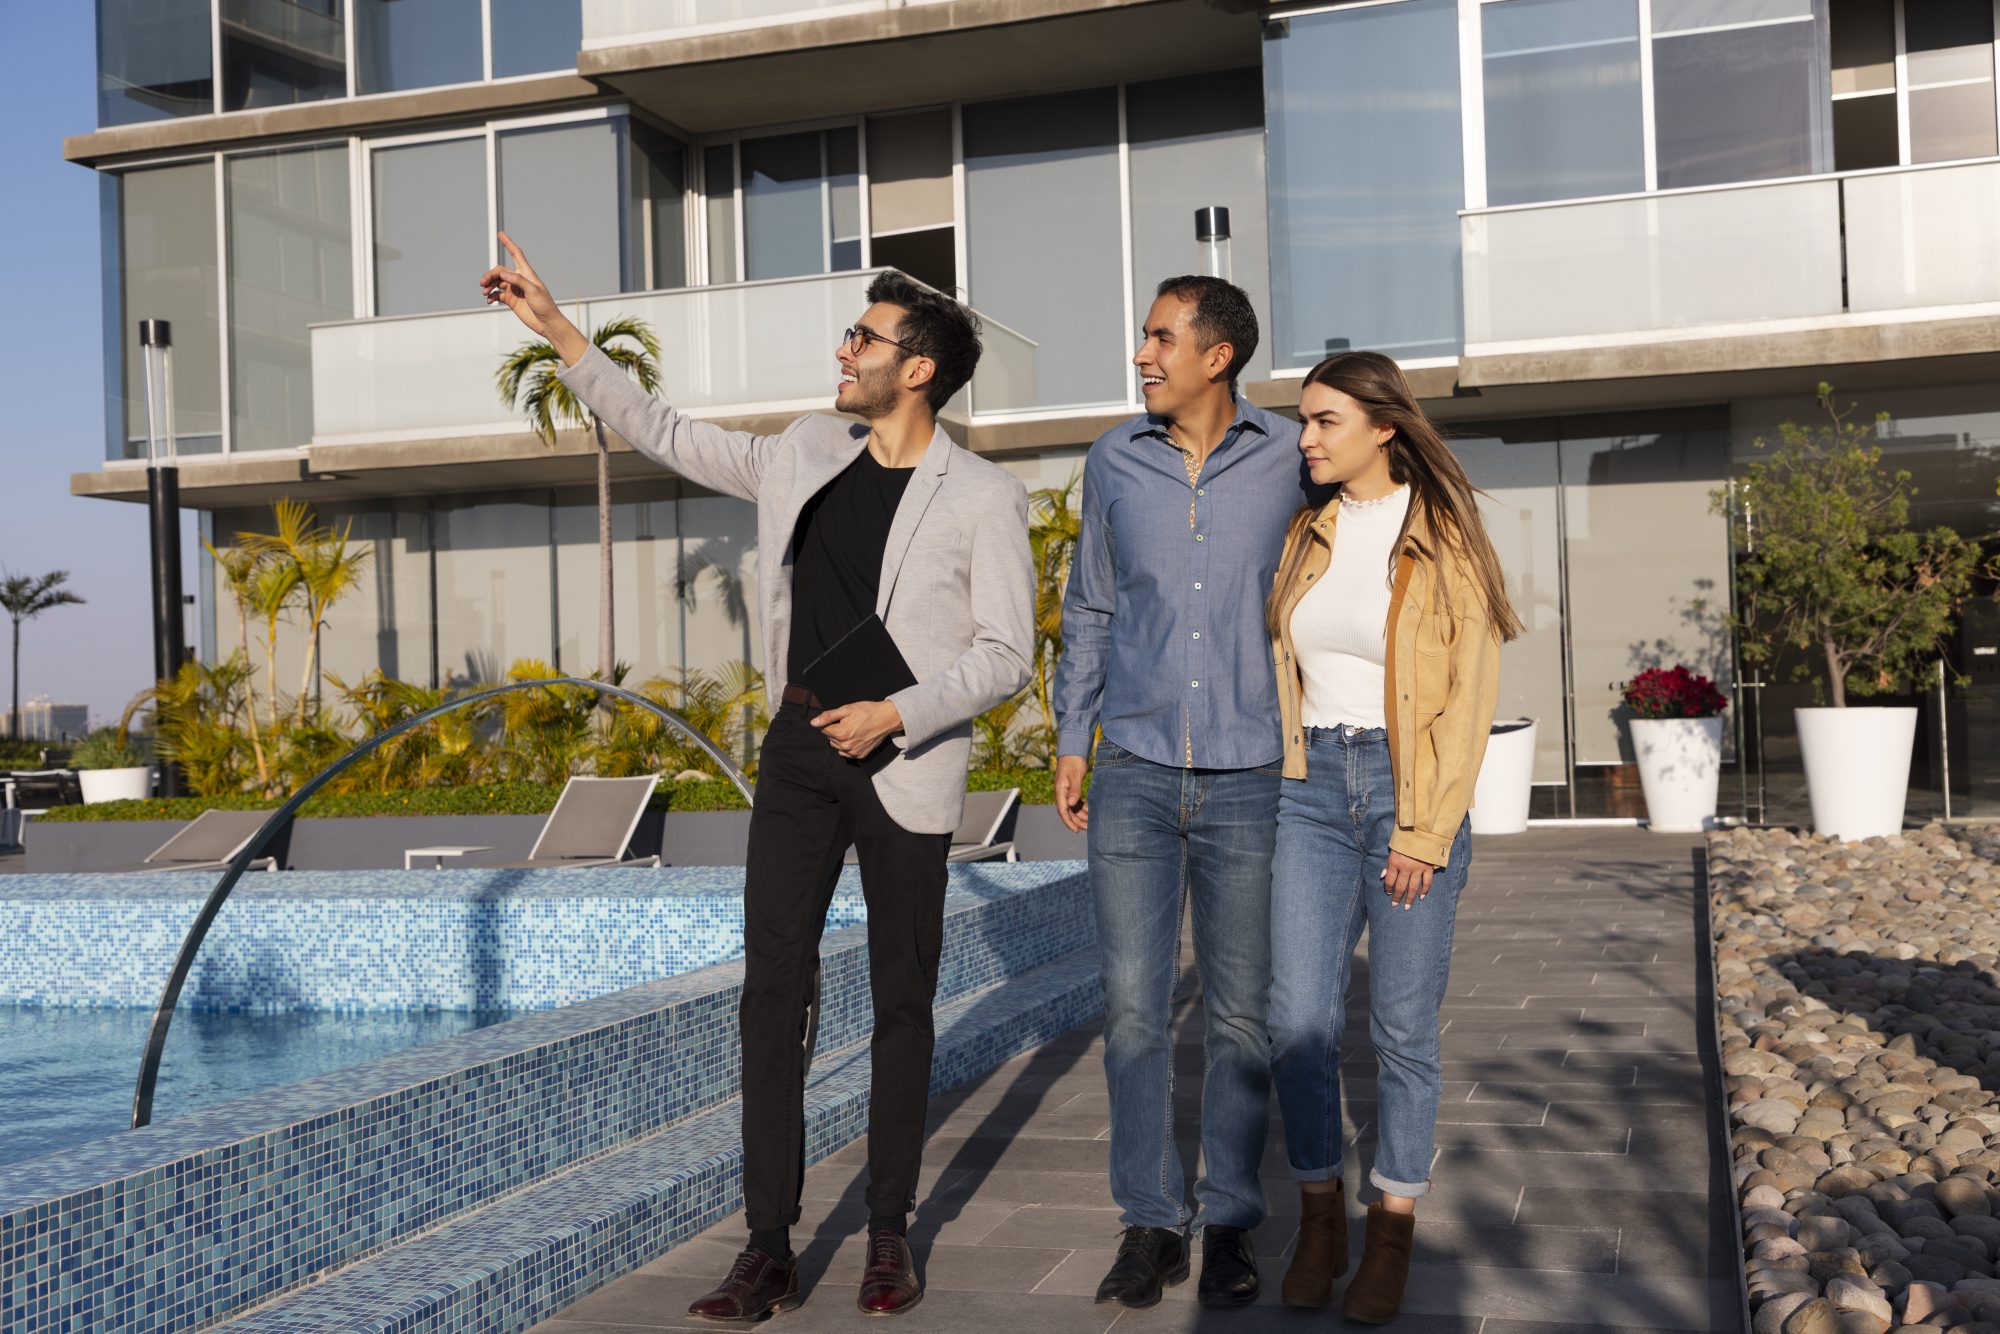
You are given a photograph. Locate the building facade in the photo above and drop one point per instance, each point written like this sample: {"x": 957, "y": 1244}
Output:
{"x": 44, "y": 720}
{"x": 1614, "y": 242}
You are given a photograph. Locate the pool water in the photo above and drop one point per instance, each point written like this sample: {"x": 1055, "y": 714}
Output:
{"x": 67, "y": 1073}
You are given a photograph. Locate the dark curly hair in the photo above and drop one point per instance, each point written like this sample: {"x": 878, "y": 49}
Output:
{"x": 934, "y": 326}
{"x": 1222, "y": 314}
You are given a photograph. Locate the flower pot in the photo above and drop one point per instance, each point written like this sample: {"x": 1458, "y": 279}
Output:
{"x": 1857, "y": 768}
{"x": 1680, "y": 764}
{"x": 1506, "y": 778}
{"x": 134, "y": 784}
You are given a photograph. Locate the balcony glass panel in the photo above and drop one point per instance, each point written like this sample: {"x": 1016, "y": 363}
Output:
{"x": 1564, "y": 118}
{"x": 154, "y": 60}
{"x": 608, "y": 22}
{"x": 1660, "y": 262}
{"x": 1923, "y": 238}
{"x": 277, "y": 52}
{"x": 160, "y": 264}
{"x": 535, "y": 36}
{"x": 1367, "y": 177}
{"x": 750, "y": 347}
{"x": 404, "y": 44}
{"x": 290, "y": 266}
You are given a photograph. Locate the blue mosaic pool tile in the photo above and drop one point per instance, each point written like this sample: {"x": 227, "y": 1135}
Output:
{"x": 180, "y": 1223}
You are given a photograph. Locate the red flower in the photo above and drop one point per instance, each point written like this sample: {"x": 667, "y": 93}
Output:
{"x": 1679, "y": 693}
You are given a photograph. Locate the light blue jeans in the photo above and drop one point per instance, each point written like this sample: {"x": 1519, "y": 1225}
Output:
{"x": 1158, "y": 837}
{"x": 1326, "y": 887}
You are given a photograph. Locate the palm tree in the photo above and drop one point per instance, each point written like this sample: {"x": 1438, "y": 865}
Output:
{"x": 527, "y": 381}
{"x": 27, "y": 596}
{"x": 1053, "y": 528}
{"x": 310, "y": 562}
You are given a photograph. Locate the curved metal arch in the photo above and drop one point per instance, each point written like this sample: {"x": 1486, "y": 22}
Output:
{"x": 156, "y": 1038}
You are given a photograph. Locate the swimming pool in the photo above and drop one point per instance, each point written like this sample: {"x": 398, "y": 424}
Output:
{"x": 66, "y": 1073}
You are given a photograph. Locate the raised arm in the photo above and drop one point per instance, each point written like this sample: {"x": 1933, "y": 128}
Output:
{"x": 732, "y": 462}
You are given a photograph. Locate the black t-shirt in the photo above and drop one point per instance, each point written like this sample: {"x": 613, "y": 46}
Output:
{"x": 837, "y": 556}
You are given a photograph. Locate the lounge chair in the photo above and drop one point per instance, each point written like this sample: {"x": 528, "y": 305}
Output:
{"x": 985, "y": 816}
{"x": 592, "y": 824}
{"x": 209, "y": 844}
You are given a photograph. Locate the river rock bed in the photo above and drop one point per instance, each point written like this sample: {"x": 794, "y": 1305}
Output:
{"x": 1858, "y": 997}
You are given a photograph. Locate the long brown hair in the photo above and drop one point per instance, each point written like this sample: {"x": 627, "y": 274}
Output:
{"x": 1439, "y": 488}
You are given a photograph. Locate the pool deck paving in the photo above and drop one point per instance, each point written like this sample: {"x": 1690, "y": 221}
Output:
{"x": 1578, "y": 1185}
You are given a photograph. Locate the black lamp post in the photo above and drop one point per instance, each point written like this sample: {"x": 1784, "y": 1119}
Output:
{"x": 163, "y": 505}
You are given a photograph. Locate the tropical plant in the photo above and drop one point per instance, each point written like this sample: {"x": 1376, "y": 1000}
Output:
{"x": 452, "y": 749}
{"x": 305, "y": 560}
{"x": 727, "y": 706}
{"x": 26, "y": 596}
{"x": 528, "y": 381}
{"x": 1830, "y": 566}
{"x": 995, "y": 745}
{"x": 203, "y": 717}
{"x": 547, "y": 733}
{"x": 1053, "y": 527}
{"x": 110, "y": 748}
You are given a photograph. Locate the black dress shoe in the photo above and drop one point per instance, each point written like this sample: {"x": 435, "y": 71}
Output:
{"x": 1228, "y": 1270}
{"x": 1150, "y": 1260}
{"x": 759, "y": 1286}
{"x": 889, "y": 1283}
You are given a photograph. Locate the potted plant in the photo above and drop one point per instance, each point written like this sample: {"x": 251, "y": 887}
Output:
{"x": 112, "y": 765}
{"x": 1677, "y": 735}
{"x": 1505, "y": 785}
{"x": 1835, "y": 586}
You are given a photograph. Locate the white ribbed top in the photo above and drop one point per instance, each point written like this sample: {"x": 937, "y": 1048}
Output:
{"x": 1339, "y": 628}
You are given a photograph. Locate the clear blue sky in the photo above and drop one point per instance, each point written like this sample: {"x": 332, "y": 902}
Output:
{"x": 99, "y": 654}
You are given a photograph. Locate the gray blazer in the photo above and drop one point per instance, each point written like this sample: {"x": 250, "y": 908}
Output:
{"x": 957, "y": 591}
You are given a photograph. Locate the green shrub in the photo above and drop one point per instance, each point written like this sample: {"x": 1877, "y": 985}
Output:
{"x": 109, "y": 748}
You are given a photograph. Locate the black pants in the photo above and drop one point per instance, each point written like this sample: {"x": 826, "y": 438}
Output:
{"x": 811, "y": 805}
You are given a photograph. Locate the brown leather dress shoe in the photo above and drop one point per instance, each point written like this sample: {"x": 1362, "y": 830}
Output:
{"x": 759, "y": 1286}
{"x": 1321, "y": 1256}
{"x": 1376, "y": 1294}
{"x": 889, "y": 1282}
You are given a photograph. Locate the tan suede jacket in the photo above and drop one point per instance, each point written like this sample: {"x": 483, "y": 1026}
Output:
{"x": 1442, "y": 684}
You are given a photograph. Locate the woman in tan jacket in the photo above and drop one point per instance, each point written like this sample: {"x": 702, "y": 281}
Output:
{"x": 1386, "y": 621}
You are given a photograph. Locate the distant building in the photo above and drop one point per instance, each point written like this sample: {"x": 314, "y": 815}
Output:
{"x": 43, "y": 720}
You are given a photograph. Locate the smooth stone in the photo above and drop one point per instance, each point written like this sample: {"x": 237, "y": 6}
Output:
{"x": 1958, "y": 1196}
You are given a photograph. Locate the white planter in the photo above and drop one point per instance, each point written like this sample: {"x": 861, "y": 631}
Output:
{"x": 1506, "y": 778}
{"x": 1680, "y": 764}
{"x": 1857, "y": 768}
{"x": 134, "y": 784}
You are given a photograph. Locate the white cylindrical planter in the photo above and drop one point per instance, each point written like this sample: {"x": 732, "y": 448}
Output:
{"x": 1506, "y": 778}
{"x": 1857, "y": 768}
{"x": 1680, "y": 766}
{"x": 133, "y": 784}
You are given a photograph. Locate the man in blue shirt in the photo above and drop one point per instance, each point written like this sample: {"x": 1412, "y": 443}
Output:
{"x": 1183, "y": 516}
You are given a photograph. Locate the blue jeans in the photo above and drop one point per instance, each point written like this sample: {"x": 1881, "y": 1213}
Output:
{"x": 1334, "y": 827}
{"x": 1159, "y": 835}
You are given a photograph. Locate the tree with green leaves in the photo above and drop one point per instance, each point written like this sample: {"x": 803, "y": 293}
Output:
{"x": 1830, "y": 567}
{"x": 26, "y": 596}
{"x": 528, "y": 382}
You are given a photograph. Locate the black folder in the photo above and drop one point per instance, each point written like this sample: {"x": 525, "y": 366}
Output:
{"x": 864, "y": 664}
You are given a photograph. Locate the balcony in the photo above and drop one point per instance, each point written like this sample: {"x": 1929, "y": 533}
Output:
{"x": 609, "y": 23}
{"x": 730, "y": 350}
{"x": 1798, "y": 257}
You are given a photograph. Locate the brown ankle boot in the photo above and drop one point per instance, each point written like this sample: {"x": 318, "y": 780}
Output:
{"x": 1376, "y": 1293}
{"x": 1321, "y": 1256}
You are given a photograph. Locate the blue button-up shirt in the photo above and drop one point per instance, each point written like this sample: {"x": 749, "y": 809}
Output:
{"x": 1163, "y": 621}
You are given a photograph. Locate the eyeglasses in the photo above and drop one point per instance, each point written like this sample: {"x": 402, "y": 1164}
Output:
{"x": 857, "y": 339}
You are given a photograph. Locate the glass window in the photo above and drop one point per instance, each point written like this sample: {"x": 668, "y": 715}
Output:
{"x": 276, "y": 52}
{"x": 1681, "y": 15}
{"x": 430, "y": 214}
{"x": 1564, "y": 116}
{"x": 719, "y": 186}
{"x": 291, "y": 265}
{"x": 1366, "y": 182}
{"x": 784, "y": 227}
{"x": 910, "y": 206}
{"x": 1950, "y": 50}
{"x": 656, "y": 228}
{"x": 1044, "y": 247}
{"x": 160, "y": 260}
{"x": 1194, "y": 142}
{"x": 535, "y": 36}
{"x": 559, "y": 200}
{"x": 154, "y": 60}
{"x": 843, "y": 199}
{"x": 1862, "y": 34}
{"x": 495, "y": 598}
{"x": 1739, "y": 104}
{"x": 402, "y": 44}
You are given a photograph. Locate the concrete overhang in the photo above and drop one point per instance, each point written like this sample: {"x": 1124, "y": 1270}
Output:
{"x": 340, "y": 115}
{"x": 918, "y": 54}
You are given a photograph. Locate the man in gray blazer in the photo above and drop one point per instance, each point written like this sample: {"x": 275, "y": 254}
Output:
{"x": 885, "y": 516}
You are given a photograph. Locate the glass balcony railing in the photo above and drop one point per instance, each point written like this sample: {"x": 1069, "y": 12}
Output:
{"x": 726, "y": 350}
{"x": 1753, "y": 253}
{"x": 618, "y": 22}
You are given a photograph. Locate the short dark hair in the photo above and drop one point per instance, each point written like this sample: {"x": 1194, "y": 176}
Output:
{"x": 1222, "y": 314}
{"x": 934, "y": 326}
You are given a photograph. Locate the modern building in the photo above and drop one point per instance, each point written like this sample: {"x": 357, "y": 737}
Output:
{"x": 44, "y": 720}
{"x": 1613, "y": 241}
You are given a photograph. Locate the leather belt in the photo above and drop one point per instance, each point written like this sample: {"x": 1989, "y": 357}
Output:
{"x": 800, "y": 695}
